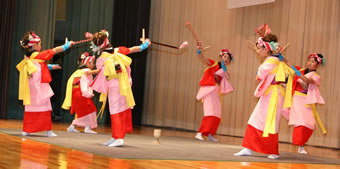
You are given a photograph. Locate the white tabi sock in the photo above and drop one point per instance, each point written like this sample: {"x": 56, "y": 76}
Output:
{"x": 51, "y": 134}
{"x": 109, "y": 142}
{"x": 199, "y": 136}
{"x": 117, "y": 143}
{"x": 244, "y": 152}
{"x": 211, "y": 138}
{"x": 88, "y": 130}
{"x": 72, "y": 129}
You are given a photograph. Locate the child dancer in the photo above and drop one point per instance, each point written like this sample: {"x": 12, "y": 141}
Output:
{"x": 34, "y": 88}
{"x": 114, "y": 80}
{"x": 79, "y": 94}
{"x": 306, "y": 95}
{"x": 262, "y": 130}
{"x": 213, "y": 83}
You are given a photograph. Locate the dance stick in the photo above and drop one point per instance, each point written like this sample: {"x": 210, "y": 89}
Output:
{"x": 253, "y": 46}
{"x": 284, "y": 48}
{"x": 199, "y": 43}
{"x": 162, "y": 44}
{"x": 82, "y": 41}
{"x": 143, "y": 36}
{"x": 183, "y": 45}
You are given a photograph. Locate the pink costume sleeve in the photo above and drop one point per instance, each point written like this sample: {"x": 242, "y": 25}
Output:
{"x": 263, "y": 73}
{"x": 100, "y": 82}
{"x": 85, "y": 89}
{"x": 313, "y": 93}
{"x": 225, "y": 86}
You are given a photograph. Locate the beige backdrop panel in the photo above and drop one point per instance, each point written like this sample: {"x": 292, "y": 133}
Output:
{"x": 173, "y": 76}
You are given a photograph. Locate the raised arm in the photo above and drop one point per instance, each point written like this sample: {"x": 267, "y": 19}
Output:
{"x": 298, "y": 73}
{"x": 141, "y": 47}
{"x": 201, "y": 56}
{"x": 63, "y": 48}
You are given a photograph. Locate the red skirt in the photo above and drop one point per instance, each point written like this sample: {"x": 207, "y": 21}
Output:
{"x": 37, "y": 121}
{"x": 301, "y": 135}
{"x": 209, "y": 125}
{"x": 253, "y": 140}
{"x": 121, "y": 123}
{"x": 80, "y": 104}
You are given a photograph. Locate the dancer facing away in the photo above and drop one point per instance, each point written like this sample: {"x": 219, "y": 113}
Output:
{"x": 34, "y": 87}
{"x": 306, "y": 94}
{"x": 213, "y": 83}
{"x": 114, "y": 80}
{"x": 262, "y": 131}
{"x": 79, "y": 94}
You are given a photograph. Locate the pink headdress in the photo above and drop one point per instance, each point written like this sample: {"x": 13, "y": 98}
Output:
{"x": 96, "y": 48}
{"x": 226, "y": 51}
{"x": 318, "y": 59}
{"x": 263, "y": 30}
{"x": 271, "y": 46}
{"x": 32, "y": 38}
{"x": 86, "y": 58}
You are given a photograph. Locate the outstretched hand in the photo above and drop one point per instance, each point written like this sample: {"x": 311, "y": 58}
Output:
{"x": 56, "y": 67}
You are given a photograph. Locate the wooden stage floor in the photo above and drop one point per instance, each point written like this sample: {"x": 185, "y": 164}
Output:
{"x": 20, "y": 152}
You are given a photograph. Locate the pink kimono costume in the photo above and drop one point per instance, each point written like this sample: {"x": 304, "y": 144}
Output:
{"x": 121, "y": 119}
{"x": 37, "y": 116}
{"x": 82, "y": 103}
{"x": 254, "y": 137}
{"x": 302, "y": 114}
{"x": 209, "y": 93}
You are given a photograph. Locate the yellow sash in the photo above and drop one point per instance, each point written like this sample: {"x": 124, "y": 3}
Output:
{"x": 270, "y": 125}
{"x": 26, "y": 67}
{"x": 280, "y": 72}
{"x": 315, "y": 113}
{"x": 213, "y": 65}
{"x": 123, "y": 77}
{"x": 68, "y": 96}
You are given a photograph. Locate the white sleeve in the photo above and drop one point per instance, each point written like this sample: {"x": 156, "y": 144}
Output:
{"x": 85, "y": 89}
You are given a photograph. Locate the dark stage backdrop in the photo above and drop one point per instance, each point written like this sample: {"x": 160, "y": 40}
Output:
{"x": 129, "y": 18}
{"x": 123, "y": 19}
{"x": 7, "y": 15}
{"x": 36, "y": 15}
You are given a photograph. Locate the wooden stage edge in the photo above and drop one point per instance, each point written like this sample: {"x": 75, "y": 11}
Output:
{"x": 18, "y": 152}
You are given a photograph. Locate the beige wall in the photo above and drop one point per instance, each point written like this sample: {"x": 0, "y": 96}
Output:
{"x": 173, "y": 76}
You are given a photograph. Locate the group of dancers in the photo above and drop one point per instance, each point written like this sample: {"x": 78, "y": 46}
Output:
{"x": 283, "y": 89}
{"x": 113, "y": 80}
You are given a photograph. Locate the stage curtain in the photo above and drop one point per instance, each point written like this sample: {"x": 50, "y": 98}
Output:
{"x": 36, "y": 15}
{"x": 7, "y": 15}
{"x": 132, "y": 17}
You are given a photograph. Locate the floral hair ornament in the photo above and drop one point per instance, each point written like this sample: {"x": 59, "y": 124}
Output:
{"x": 226, "y": 51}
{"x": 86, "y": 58}
{"x": 263, "y": 30}
{"x": 32, "y": 38}
{"x": 95, "y": 48}
{"x": 271, "y": 46}
{"x": 318, "y": 59}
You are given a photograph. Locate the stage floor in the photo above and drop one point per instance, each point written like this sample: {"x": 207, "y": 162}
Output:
{"x": 178, "y": 149}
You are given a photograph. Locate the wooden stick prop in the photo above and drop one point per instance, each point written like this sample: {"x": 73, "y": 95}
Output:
{"x": 88, "y": 37}
{"x": 252, "y": 45}
{"x": 143, "y": 36}
{"x": 183, "y": 45}
{"x": 198, "y": 41}
{"x": 82, "y": 41}
{"x": 284, "y": 48}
